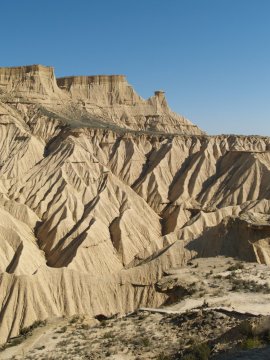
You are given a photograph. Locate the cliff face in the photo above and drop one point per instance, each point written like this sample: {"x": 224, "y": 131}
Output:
{"x": 95, "y": 213}
{"x": 101, "y": 101}
{"x": 103, "y": 90}
{"x": 112, "y": 98}
{"x": 34, "y": 82}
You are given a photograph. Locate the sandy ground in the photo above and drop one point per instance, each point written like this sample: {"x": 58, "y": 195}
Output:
{"x": 144, "y": 335}
{"x": 209, "y": 299}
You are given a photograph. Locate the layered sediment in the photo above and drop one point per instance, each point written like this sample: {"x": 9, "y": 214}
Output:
{"x": 96, "y": 207}
{"x": 106, "y": 100}
{"x": 33, "y": 82}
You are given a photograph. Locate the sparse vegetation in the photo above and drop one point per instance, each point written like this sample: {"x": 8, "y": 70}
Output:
{"x": 108, "y": 335}
{"x": 85, "y": 326}
{"x": 249, "y": 285}
{"x": 163, "y": 356}
{"x": 12, "y": 342}
{"x": 74, "y": 319}
{"x": 63, "y": 343}
{"x": 236, "y": 266}
{"x": 251, "y": 343}
{"x": 245, "y": 328}
{"x": 26, "y": 331}
{"x": 143, "y": 341}
{"x": 198, "y": 352}
{"x": 267, "y": 336}
{"x": 189, "y": 357}
{"x": 61, "y": 330}
{"x": 103, "y": 323}
{"x": 143, "y": 334}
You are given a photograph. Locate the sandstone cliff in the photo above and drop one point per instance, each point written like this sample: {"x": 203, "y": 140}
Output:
{"x": 102, "y": 191}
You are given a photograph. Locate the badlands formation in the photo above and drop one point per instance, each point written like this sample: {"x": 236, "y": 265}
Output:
{"x": 103, "y": 193}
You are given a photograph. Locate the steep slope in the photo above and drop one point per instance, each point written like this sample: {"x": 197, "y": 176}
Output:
{"x": 106, "y": 101}
{"x": 102, "y": 191}
{"x": 113, "y": 99}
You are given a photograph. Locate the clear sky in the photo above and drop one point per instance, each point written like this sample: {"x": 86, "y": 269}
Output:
{"x": 212, "y": 57}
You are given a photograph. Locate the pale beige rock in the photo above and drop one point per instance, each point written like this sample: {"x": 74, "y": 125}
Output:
{"x": 102, "y": 191}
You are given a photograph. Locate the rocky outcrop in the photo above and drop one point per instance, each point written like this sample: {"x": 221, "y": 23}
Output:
{"x": 102, "y": 100}
{"x": 102, "y": 90}
{"x": 112, "y": 98}
{"x": 28, "y": 83}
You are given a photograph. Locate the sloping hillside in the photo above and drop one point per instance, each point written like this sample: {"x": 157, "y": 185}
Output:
{"x": 102, "y": 191}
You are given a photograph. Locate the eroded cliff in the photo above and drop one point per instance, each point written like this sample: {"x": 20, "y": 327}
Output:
{"x": 98, "y": 199}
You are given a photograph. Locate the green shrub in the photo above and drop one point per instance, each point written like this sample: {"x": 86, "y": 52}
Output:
{"x": 251, "y": 343}
{"x": 198, "y": 352}
{"x": 162, "y": 356}
{"x": 267, "y": 336}
{"x": 245, "y": 328}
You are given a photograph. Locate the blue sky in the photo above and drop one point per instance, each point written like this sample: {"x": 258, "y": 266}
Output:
{"x": 212, "y": 57}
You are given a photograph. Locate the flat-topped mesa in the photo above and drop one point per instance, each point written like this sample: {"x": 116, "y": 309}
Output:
{"x": 69, "y": 81}
{"x": 31, "y": 81}
{"x": 101, "y": 90}
{"x": 107, "y": 97}
{"x": 111, "y": 97}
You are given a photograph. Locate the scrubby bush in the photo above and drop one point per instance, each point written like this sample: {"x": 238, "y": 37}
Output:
{"x": 24, "y": 333}
{"x": 142, "y": 341}
{"x": 108, "y": 335}
{"x": 189, "y": 357}
{"x": 74, "y": 319}
{"x": 245, "y": 328}
{"x": 249, "y": 285}
{"x": 61, "y": 330}
{"x": 267, "y": 336}
{"x": 236, "y": 266}
{"x": 12, "y": 342}
{"x": 28, "y": 330}
{"x": 162, "y": 356}
{"x": 63, "y": 343}
{"x": 198, "y": 352}
{"x": 251, "y": 343}
{"x": 145, "y": 341}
